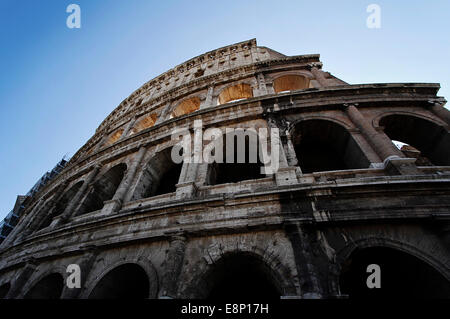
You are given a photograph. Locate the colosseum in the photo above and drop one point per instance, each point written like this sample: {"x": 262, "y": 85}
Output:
{"x": 363, "y": 179}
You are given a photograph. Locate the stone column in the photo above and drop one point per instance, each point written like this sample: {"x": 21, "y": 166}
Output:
{"x": 261, "y": 83}
{"x": 164, "y": 113}
{"x": 124, "y": 186}
{"x": 172, "y": 266}
{"x": 208, "y": 100}
{"x": 127, "y": 128}
{"x": 394, "y": 161}
{"x": 437, "y": 107}
{"x": 22, "y": 279}
{"x": 379, "y": 141}
{"x": 291, "y": 156}
{"x": 70, "y": 209}
{"x": 318, "y": 74}
{"x": 86, "y": 262}
{"x": 307, "y": 272}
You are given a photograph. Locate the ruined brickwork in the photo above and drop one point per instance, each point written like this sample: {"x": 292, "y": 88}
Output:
{"x": 345, "y": 196}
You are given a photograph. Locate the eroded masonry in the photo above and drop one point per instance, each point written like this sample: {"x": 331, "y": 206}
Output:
{"x": 347, "y": 194}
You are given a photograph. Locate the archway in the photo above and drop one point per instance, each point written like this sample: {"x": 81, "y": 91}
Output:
{"x": 323, "y": 145}
{"x": 290, "y": 82}
{"x": 187, "y": 106}
{"x": 114, "y": 137}
{"x": 234, "y": 93}
{"x": 49, "y": 287}
{"x": 236, "y": 167}
{"x": 127, "y": 281}
{"x": 242, "y": 275}
{"x": 160, "y": 176}
{"x": 4, "y": 289}
{"x": 144, "y": 123}
{"x": 58, "y": 209}
{"x": 402, "y": 275}
{"x": 432, "y": 140}
{"x": 103, "y": 189}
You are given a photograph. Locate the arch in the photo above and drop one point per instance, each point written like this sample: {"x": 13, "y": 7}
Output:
{"x": 237, "y": 166}
{"x": 62, "y": 203}
{"x": 160, "y": 176}
{"x": 4, "y": 289}
{"x": 323, "y": 145}
{"x": 235, "y": 92}
{"x": 290, "y": 82}
{"x": 402, "y": 275}
{"x": 126, "y": 281}
{"x": 103, "y": 189}
{"x": 144, "y": 123}
{"x": 114, "y": 137}
{"x": 186, "y": 106}
{"x": 241, "y": 275}
{"x": 430, "y": 139}
{"x": 48, "y": 287}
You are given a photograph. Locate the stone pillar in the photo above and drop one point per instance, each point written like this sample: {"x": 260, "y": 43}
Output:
{"x": 209, "y": 96}
{"x": 261, "y": 84}
{"x": 127, "y": 128}
{"x": 291, "y": 156}
{"x": 86, "y": 262}
{"x": 318, "y": 74}
{"x": 124, "y": 186}
{"x": 172, "y": 266}
{"x": 394, "y": 161}
{"x": 437, "y": 107}
{"x": 307, "y": 272}
{"x": 164, "y": 113}
{"x": 70, "y": 209}
{"x": 22, "y": 279}
{"x": 379, "y": 141}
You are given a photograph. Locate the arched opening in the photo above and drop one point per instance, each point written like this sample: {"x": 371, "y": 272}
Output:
{"x": 50, "y": 287}
{"x": 430, "y": 139}
{"x": 114, "y": 137}
{"x": 4, "y": 289}
{"x": 237, "y": 92}
{"x": 401, "y": 276}
{"x": 144, "y": 123}
{"x": 127, "y": 281}
{"x": 322, "y": 145}
{"x": 241, "y": 276}
{"x": 240, "y": 165}
{"x": 58, "y": 209}
{"x": 290, "y": 83}
{"x": 103, "y": 189}
{"x": 187, "y": 106}
{"x": 160, "y": 176}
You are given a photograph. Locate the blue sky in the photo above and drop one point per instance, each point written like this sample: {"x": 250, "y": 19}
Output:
{"x": 57, "y": 84}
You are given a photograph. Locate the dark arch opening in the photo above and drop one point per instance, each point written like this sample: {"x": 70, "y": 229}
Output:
{"x": 49, "y": 287}
{"x": 241, "y": 276}
{"x": 160, "y": 176}
{"x": 432, "y": 140}
{"x": 322, "y": 145}
{"x": 103, "y": 189}
{"x": 246, "y": 168}
{"x": 58, "y": 209}
{"x": 4, "y": 289}
{"x": 402, "y": 276}
{"x": 128, "y": 281}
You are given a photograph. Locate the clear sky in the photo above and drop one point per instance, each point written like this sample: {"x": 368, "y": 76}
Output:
{"x": 57, "y": 84}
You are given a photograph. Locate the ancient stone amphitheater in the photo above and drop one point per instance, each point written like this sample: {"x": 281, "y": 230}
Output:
{"x": 345, "y": 195}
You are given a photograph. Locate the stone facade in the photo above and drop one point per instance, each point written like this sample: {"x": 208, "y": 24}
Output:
{"x": 345, "y": 196}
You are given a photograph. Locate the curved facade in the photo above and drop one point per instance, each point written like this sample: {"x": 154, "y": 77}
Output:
{"x": 344, "y": 196}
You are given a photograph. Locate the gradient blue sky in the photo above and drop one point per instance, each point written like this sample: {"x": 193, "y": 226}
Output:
{"x": 58, "y": 84}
